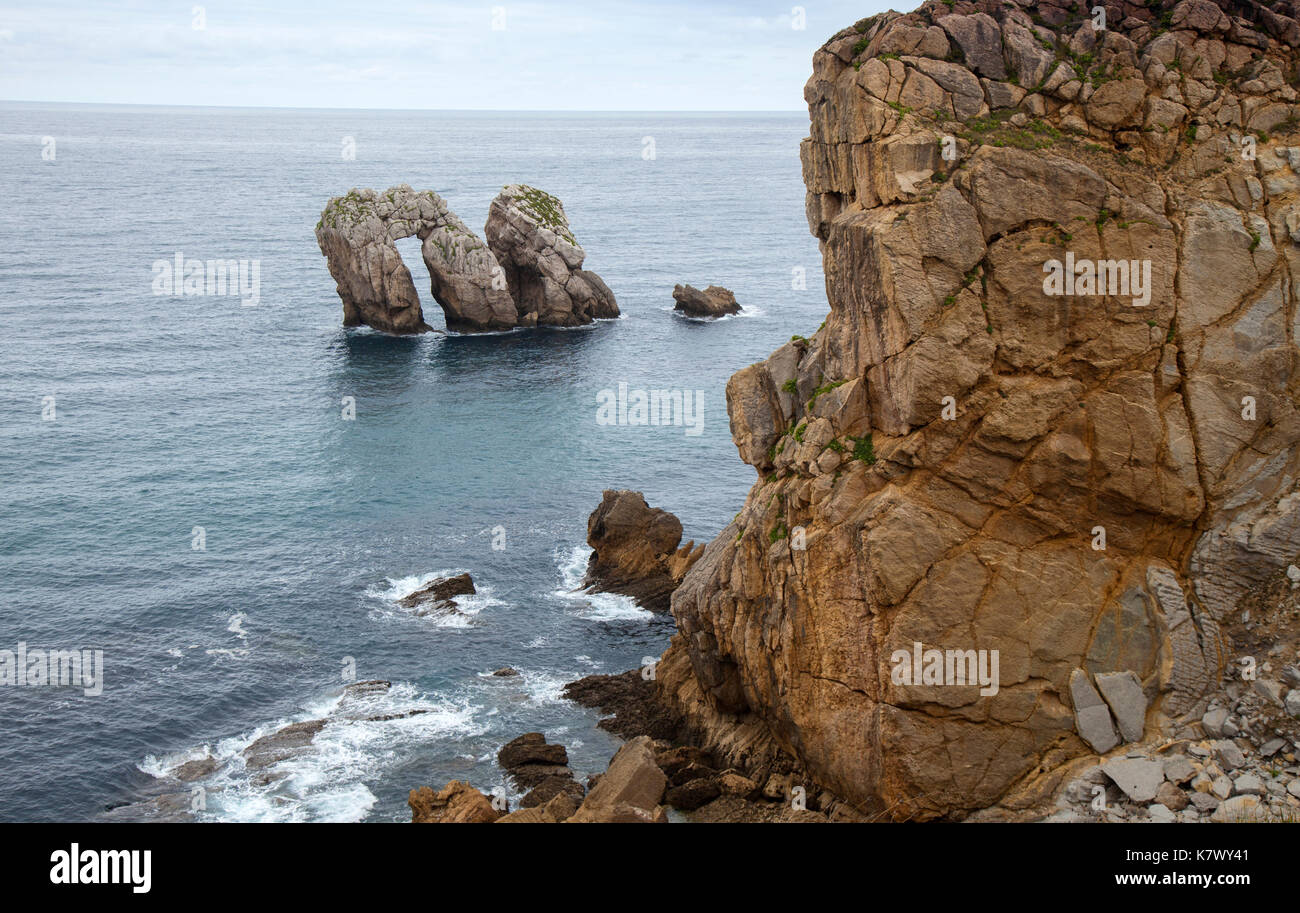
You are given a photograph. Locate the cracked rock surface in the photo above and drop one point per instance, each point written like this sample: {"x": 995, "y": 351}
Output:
{"x": 960, "y": 459}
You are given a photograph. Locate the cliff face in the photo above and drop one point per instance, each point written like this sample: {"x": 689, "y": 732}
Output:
{"x": 979, "y": 450}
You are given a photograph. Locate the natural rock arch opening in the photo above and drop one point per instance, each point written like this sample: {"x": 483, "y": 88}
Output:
{"x": 528, "y": 273}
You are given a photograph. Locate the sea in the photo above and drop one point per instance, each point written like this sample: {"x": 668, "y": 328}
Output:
{"x": 228, "y": 495}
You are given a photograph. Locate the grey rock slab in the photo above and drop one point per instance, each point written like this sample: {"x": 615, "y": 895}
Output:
{"x": 1213, "y": 722}
{"x": 1140, "y": 780}
{"x": 1179, "y": 769}
{"x": 1248, "y": 785}
{"x": 1161, "y": 815}
{"x": 1091, "y": 714}
{"x": 1228, "y": 754}
{"x": 1123, "y": 692}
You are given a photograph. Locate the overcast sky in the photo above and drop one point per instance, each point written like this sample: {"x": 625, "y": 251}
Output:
{"x": 498, "y": 54}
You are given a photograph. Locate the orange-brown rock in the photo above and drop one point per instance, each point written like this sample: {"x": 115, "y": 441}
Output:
{"x": 970, "y": 458}
{"x": 455, "y": 803}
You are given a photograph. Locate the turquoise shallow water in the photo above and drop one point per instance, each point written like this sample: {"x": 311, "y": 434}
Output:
{"x": 181, "y": 412}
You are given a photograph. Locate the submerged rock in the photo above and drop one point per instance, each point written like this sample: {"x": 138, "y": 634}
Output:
{"x": 284, "y": 743}
{"x": 439, "y": 595}
{"x": 714, "y": 301}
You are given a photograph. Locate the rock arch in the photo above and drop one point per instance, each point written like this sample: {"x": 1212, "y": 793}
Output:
{"x": 529, "y": 273}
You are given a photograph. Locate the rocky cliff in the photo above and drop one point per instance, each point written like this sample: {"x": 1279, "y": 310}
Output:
{"x": 1051, "y": 415}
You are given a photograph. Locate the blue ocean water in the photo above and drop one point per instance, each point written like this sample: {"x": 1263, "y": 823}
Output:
{"x": 171, "y": 413}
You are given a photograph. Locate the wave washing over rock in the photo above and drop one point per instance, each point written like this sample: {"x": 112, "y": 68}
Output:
{"x": 1052, "y": 412}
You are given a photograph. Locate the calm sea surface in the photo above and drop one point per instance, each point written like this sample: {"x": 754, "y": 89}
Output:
{"x": 177, "y": 413}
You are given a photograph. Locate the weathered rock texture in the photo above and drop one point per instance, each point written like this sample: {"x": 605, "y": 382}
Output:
{"x": 635, "y": 550}
{"x": 357, "y": 232}
{"x": 530, "y": 235}
{"x": 714, "y": 301}
{"x": 959, "y": 459}
{"x": 455, "y": 803}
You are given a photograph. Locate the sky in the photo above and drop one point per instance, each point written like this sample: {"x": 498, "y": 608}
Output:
{"x": 594, "y": 55}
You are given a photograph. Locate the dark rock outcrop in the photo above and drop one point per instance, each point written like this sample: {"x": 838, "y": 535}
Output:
{"x": 439, "y": 595}
{"x": 631, "y": 700}
{"x": 714, "y": 301}
{"x": 635, "y": 550}
{"x": 530, "y": 761}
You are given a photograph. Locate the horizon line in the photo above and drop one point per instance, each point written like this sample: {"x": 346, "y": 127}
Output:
{"x": 126, "y": 104}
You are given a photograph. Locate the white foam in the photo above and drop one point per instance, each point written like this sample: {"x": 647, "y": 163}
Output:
{"x": 572, "y": 567}
{"x": 395, "y": 589}
{"x": 330, "y": 779}
{"x": 747, "y": 310}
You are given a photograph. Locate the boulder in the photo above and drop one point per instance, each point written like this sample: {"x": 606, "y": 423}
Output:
{"x": 559, "y": 808}
{"x": 693, "y": 794}
{"x": 535, "y": 765}
{"x": 1239, "y": 810}
{"x": 630, "y": 789}
{"x": 531, "y": 749}
{"x": 715, "y": 301}
{"x": 553, "y": 786}
{"x": 455, "y": 803}
{"x": 1140, "y": 779}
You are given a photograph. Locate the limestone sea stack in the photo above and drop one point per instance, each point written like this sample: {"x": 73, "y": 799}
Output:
{"x": 480, "y": 288}
{"x": 635, "y": 550}
{"x": 356, "y": 234}
{"x": 981, "y": 456}
{"x": 530, "y": 236}
{"x": 714, "y": 301}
